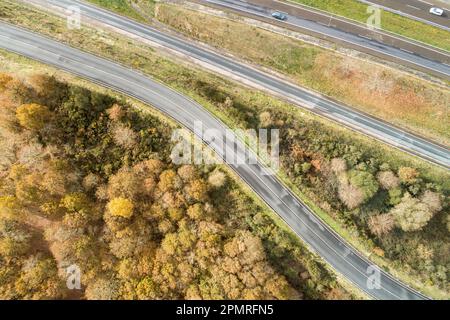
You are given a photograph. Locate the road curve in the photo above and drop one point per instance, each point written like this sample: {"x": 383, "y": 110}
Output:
{"x": 341, "y": 256}
{"x": 337, "y": 112}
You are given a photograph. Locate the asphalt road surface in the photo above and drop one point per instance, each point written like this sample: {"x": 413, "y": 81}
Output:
{"x": 349, "y": 37}
{"x": 303, "y": 98}
{"x": 416, "y": 9}
{"x": 346, "y": 26}
{"x": 303, "y": 222}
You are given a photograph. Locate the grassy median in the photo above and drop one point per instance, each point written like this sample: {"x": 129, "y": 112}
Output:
{"x": 139, "y": 10}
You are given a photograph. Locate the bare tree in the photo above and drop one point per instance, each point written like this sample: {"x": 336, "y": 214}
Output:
{"x": 388, "y": 180}
{"x": 381, "y": 224}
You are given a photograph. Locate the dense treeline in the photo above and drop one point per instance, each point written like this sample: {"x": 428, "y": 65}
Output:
{"x": 384, "y": 201}
{"x": 87, "y": 180}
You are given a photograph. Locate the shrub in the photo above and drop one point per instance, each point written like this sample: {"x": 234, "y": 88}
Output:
{"x": 395, "y": 196}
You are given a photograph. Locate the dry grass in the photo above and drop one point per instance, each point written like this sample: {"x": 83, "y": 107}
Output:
{"x": 389, "y": 94}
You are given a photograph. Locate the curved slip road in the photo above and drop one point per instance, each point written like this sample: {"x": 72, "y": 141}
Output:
{"x": 342, "y": 257}
{"x": 303, "y": 98}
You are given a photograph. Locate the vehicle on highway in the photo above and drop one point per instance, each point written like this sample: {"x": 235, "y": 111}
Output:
{"x": 437, "y": 11}
{"x": 279, "y": 16}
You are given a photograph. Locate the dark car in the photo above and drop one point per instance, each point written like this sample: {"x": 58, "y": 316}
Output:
{"x": 279, "y": 16}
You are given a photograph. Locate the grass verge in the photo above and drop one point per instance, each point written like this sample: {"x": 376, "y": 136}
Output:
{"x": 127, "y": 8}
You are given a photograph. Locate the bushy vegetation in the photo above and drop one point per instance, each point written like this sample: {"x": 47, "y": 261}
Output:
{"x": 137, "y": 226}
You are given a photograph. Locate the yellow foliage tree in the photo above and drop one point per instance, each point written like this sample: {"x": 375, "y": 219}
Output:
{"x": 33, "y": 116}
{"x": 407, "y": 174}
{"x": 4, "y": 79}
{"x": 121, "y": 207}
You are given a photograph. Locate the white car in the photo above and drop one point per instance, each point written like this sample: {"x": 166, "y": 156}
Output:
{"x": 436, "y": 11}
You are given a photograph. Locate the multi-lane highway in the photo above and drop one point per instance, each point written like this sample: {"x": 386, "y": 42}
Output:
{"x": 303, "y": 98}
{"x": 416, "y": 9}
{"x": 355, "y": 35}
{"x": 342, "y": 257}
{"x": 297, "y": 11}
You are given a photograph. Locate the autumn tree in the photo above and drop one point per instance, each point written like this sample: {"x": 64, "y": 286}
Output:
{"x": 15, "y": 240}
{"x": 17, "y": 91}
{"x": 169, "y": 180}
{"x": 9, "y": 207}
{"x": 407, "y": 174}
{"x": 381, "y": 224}
{"x": 125, "y": 183}
{"x": 4, "y": 79}
{"x": 365, "y": 182}
{"x": 116, "y": 112}
{"x": 125, "y": 136}
{"x": 338, "y": 165}
{"x": 48, "y": 88}
{"x": 121, "y": 207}
{"x": 147, "y": 289}
{"x": 196, "y": 211}
{"x": 411, "y": 214}
{"x": 433, "y": 200}
{"x": 91, "y": 181}
{"x": 217, "y": 178}
{"x": 39, "y": 279}
{"x": 103, "y": 288}
{"x": 187, "y": 173}
{"x": 350, "y": 195}
{"x": 265, "y": 119}
{"x": 197, "y": 190}
{"x": 33, "y": 116}
{"x": 388, "y": 180}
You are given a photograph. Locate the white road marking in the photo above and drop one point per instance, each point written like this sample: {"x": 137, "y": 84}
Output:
{"x": 408, "y": 5}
